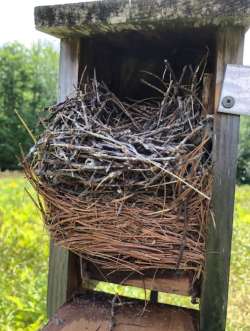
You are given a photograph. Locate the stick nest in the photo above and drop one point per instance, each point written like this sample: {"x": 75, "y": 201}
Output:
{"x": 126, "y": 185}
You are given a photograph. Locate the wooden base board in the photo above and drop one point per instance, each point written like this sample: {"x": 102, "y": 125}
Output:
{"x": 94, "y": 313}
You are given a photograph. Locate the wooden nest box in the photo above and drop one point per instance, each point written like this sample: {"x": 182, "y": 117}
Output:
{"x": 119, "y": 39}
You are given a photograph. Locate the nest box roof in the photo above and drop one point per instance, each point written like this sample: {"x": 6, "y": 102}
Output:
{"x": 88, "y": 18}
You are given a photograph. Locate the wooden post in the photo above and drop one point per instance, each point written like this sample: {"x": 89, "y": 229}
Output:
{"x": 214, "y": 297}
{"x": 62, "y": 278}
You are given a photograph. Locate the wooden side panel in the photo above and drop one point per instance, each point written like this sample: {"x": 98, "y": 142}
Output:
{"x": 58, "y": 277}
{"x": 216, "y": 278}
{"x": 62, "y": 279}
{"x": 69, "y": 67}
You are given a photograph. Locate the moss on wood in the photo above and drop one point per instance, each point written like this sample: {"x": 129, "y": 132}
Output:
{"x": 120, "y": 15}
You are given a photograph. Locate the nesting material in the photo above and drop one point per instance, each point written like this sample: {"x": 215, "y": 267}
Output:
{"x": 126, "y": 185}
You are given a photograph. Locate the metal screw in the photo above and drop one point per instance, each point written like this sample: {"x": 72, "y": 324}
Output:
{"x": 228, "y": 102}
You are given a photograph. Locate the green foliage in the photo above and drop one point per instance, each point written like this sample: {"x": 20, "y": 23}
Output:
{"x": 239, "y": 292}
{"x": 24, "y": 256}
{"x": 243, "y": 171}
{"x": 28, "y": 78}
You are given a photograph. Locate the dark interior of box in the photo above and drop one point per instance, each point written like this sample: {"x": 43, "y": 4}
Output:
{"x": 120, "y": 58}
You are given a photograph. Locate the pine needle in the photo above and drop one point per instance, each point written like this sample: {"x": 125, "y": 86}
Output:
{"x": 25, "y": 126}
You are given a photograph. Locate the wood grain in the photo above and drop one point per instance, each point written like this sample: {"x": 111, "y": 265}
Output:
{"x": 62, "y": 278}
{"x": 95, "y": 315}
{"x": 176, "y": 285}
{"x": 215, "y": 285}
{"x": 208, "y": 93}
{"x": 91, "y": 18}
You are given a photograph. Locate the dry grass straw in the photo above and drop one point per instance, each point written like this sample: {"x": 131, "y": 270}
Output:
{"x": 127, "y": 185}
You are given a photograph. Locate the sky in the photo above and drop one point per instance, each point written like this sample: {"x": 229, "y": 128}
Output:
{"x": 17, "y": 23}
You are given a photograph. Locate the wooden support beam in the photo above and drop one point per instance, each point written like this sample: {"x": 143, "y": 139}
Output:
{"x": 63, "y": 276}
{"x": 174, "y": 284}
{"x": 167, "y": 281}
{"x": 216, "y": 277}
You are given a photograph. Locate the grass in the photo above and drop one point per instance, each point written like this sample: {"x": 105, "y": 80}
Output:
{"x": 24, "y": 256}
{"x": 239, "y": 291}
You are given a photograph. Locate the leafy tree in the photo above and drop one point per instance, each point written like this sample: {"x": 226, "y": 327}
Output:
{"x": 28, "y": 78}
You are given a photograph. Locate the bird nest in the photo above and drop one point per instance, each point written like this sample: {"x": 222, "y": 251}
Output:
{"x": 126, "y": 185}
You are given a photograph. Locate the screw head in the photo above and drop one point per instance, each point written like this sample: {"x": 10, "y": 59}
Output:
{"x": 228, "y": 102}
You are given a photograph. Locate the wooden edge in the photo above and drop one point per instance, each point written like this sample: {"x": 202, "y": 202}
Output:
{"x": 177, "y": 285}
{"x": 214, "y": 296}
{"x": 57, "y": 278}
{"x": 62, "y": 277}
{"x": 98, "y": 312}
{"x": 180, "y": 285}
{"x": 90, "y": 18}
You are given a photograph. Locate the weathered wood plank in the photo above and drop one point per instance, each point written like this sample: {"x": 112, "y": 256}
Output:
{"x": 216, "y": 278}
{"x": 62, "y": 278}
{"x": 180, "y": 285}
{"x": 176, "y": 285}
{"x": 89, "y": 18}
{"x": 69, "y": 67}
{"x": 94, "y": 314}
{"x": 57, "y": 278}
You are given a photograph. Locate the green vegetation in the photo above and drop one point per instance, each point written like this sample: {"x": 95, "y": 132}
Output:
{"x": 239, "y": 297}
{"x": 243, "y": 171}
{"x": 28, "y": 79}
{"x": 24, "y": 255}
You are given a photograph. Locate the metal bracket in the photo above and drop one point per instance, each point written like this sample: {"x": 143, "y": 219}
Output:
{"x": 235, "y": 95}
